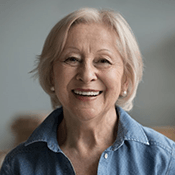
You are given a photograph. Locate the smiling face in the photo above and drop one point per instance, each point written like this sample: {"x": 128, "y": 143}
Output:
{"x": 88, "y": 75}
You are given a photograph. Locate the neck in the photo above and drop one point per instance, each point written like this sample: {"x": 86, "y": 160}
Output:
{"x": 98, "y": 132}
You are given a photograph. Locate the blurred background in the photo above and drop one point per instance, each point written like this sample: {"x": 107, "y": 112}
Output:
{"x": 24, "y": 25}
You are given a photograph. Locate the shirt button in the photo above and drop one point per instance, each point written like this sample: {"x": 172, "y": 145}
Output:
{"x": 106, "y": 156}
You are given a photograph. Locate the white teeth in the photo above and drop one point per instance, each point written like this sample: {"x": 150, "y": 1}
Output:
{"x": 90, "y": 93}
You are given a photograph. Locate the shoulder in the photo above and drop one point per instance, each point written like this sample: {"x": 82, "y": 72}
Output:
{"x": 22, "y": 151}
{"x": 147, "y": 145}
{"x": 132, "y": 130}
{"x": 162, "y": 148}
{"x": 22, "y": 157}
{"x": 157, "y": 139}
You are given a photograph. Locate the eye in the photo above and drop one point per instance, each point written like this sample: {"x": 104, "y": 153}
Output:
{"x": 73, "y": 61}
{"x": 104, "y": 61}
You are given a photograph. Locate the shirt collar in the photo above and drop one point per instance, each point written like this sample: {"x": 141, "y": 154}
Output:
{"x": 128, "y": 129}
{"x": 47, "y": 131}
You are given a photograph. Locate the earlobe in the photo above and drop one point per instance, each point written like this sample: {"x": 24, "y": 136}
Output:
{"x": 124, "y": 94}
{"x": 124, "y": 87}
{"x": 52, "y": 80}
{"x": 52, "y": 89}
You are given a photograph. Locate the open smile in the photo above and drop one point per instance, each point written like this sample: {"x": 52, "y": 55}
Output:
{"x": 87, "y": 93}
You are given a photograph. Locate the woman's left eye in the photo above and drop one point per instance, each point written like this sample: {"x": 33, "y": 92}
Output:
{"x": 71, "y": 59}
{"x": 104, "y": 61}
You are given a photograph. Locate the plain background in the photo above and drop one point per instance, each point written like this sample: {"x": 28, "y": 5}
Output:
{"x": 24, "y": 25}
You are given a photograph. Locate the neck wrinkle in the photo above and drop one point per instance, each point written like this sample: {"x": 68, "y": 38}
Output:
{"x": 88, "y": 134}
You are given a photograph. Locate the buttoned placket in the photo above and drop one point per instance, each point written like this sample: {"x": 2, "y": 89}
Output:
{"x": 103, "y": 163}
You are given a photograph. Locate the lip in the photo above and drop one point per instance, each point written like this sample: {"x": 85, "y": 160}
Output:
{"x": 86, "y": 98}
{"x": 85, "y": 90}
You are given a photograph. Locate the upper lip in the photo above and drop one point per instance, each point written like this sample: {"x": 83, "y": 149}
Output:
{"x": 86, "y": 90}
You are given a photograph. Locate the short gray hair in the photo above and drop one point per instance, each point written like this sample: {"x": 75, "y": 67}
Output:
{"x": 125, "y": 42}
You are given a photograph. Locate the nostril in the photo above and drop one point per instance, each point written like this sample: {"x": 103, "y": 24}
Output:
{"x": 86, "y": 72}
{"x": 78, "y": 77}
{"x": 86, "y": 76}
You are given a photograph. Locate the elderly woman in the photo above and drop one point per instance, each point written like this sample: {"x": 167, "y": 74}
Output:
{"x": 91, "y": 66}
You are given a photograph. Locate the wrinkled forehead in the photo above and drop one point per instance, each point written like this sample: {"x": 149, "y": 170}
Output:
{"x": 103, "y": 25}
{"x": 64, "y": 33}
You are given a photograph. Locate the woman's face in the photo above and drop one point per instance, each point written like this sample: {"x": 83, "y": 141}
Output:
{"x": 88, "y": 75}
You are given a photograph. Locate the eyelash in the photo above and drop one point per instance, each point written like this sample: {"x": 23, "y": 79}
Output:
{"x": 103, "y": 60}
{"x": 71, "y": 59}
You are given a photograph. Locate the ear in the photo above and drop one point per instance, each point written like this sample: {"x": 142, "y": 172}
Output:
{"x": 52, "y": 88}
{"x": 124, "y": 84}
{"x": 52, "y": 78}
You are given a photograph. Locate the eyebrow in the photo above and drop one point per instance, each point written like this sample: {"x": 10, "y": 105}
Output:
{"x": 105, "y": 50}
{"x": 76, "y": 49}
{"x": 71, "y": 47}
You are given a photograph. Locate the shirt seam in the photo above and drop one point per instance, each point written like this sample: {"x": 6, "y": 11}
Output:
{"x": 34, "y": 141}
{"x": 160, "y": 145}
{"x": 137, "y": 140}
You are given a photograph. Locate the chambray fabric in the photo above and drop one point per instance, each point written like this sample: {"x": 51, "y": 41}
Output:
{"x": 137, "y": 151}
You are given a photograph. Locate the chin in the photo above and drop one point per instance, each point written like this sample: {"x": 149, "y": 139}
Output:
{"x": 85, "y": 114}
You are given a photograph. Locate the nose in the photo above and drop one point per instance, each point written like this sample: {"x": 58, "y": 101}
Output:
{"x": 86, "y": 73}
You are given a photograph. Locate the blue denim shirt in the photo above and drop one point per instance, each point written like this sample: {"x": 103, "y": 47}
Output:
{"x": 137, "y": 151}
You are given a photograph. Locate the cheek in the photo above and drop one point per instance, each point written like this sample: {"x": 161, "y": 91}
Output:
{"x": 61, "y": 75}
{"x": 113, "y": 87}
{"x": 58, "y": 81}
{"x": 61, "y": 89}
{"x": 113, "y": 80}
{"x": 62, "y": 80}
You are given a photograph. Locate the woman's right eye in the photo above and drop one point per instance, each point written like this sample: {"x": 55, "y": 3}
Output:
{"x": 72, "y": 61}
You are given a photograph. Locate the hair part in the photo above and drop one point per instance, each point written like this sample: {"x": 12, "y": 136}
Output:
{"x": 125, "y": 43}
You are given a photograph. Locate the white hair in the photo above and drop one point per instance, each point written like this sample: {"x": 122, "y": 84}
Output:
{"x": 125, "y": 43}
